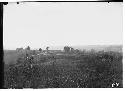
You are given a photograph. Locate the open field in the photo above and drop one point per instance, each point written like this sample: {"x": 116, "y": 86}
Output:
{"x": 81, "y": 70}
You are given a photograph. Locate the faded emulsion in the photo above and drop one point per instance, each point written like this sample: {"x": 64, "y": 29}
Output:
{"x": 63, "y": 45}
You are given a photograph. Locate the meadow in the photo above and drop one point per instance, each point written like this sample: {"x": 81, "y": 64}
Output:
{"x": 69, "y": 70}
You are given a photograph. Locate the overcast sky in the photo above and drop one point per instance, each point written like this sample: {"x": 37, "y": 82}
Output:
{"x": 54, "y": 24}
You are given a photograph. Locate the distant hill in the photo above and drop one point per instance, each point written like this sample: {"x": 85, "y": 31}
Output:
{"x": 114, "y": 48}
{"x": 101, "y": 47}
{"x": 95, "y": 47}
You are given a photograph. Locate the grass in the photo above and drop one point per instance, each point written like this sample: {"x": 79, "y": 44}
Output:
{"x": 85, "y": 70}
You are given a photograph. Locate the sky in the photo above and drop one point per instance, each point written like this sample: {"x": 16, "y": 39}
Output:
{"x": 39, "y": 25}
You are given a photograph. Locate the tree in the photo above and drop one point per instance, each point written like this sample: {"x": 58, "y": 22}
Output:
{"x": 40, "y": 49}
{"x": 72, "y": 49}
{"x": 19, "y": 49}
{"x": 77, "y": 51}
{"x": 66, "y": 49}
{"x": 28, "y": 48}
{"x": 47, "y": 48}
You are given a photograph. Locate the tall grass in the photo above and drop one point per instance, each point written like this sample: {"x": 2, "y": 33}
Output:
{"x": 85, "y": 70}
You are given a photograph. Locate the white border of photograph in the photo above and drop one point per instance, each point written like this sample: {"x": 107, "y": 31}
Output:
{"x": 79, "y": 89}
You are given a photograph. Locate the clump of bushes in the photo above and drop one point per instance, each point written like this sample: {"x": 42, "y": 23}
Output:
{"x": 104, "y": 69}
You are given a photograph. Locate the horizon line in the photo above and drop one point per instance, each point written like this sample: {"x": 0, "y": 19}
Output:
{"x": 65, "y": 45}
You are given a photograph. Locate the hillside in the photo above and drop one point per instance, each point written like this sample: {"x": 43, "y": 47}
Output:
{"x": 84, "y": 70}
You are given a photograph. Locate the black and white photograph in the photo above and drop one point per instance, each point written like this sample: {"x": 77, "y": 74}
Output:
{"x": 63, "y": 45}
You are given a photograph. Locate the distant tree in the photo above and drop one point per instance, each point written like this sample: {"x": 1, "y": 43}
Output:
{"x": 77, "y": 51}
{"x": 71, "y": 49}
{"x": 47, "y": 48}
{"x": 28, "y": 48}
{"x": 67, "y": 49}
{"x": 40, "y": 49}
{"x": 19, "y": 49}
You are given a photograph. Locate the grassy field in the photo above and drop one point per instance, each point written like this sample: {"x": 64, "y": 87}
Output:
{"x": 83, "y": 70}
{"x": 10, "y": 56}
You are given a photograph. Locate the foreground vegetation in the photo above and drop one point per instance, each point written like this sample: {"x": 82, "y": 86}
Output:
{"x": 82, "y": 70}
